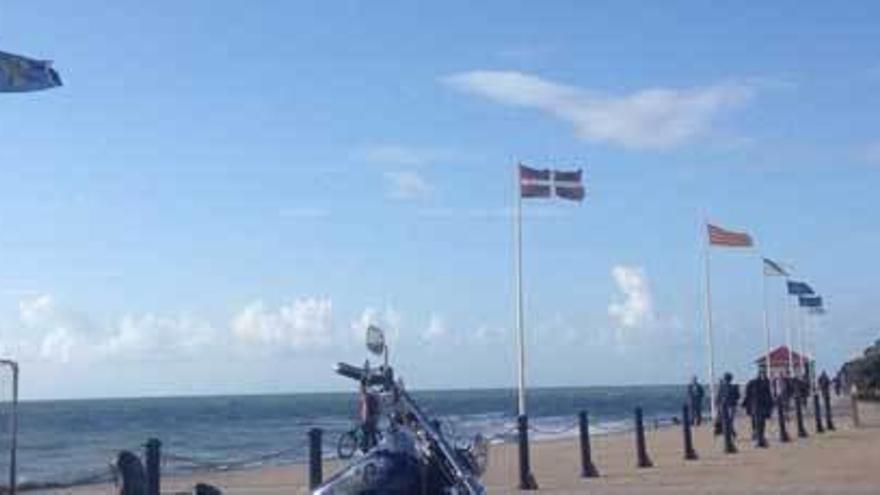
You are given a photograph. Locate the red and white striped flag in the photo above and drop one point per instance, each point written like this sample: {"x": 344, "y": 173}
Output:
{"x": 728, "y": 238}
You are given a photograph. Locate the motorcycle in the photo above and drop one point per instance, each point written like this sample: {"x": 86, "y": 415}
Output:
{"x": 413, "y": 455}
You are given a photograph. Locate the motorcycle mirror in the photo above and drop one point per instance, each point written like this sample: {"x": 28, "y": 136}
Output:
{"x": 375, "y": 340}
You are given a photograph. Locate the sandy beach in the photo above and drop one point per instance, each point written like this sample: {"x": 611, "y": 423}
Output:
{"x": 839, "y": 462}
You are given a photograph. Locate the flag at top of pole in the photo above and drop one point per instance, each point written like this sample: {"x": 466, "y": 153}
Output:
{"x": 774, "y": 269}
{"x": 21, "y": 74}
{"x": 545, "y": 183}
{"x": 728, "y": 238}
{"x": 536, "y": 183}
{"x": 810, "y": 301}
{"x": 721, "y": 238}
{"x": 533, "y": 183}
{"x": 799, "y": 289}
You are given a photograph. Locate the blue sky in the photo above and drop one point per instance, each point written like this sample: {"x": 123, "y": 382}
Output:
{"x": 224, "y": 193}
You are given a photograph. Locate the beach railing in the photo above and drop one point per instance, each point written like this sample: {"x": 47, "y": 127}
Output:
{"x": 690, "y": 454}
{"x": 588, "y": 469}
{"x": 316, "y": 473}
{"x": 780, "y": 416}
{"x": 152, "y": 464}
{"x": 642, "y": 459}
{"x": 799, "y": 415}
{"x": 854, "y": 404}
{"x": 817, "y": 414}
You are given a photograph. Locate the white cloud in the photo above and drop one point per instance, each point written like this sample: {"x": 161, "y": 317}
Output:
{"x": 304, "y": 324}
{"x": 653, "y": 118}
{"x": 139, "y": 335}
{"x": 406, "y": 185}
{"x": 436, "y": 329}
{"x": 58, "y": 345}
{"x": 635, "y": 308}
{"x": 37, "y": 310}
{"x": 54, "y": 333}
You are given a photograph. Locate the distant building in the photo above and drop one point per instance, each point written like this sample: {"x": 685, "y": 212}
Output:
{"x": 779, "y": 358}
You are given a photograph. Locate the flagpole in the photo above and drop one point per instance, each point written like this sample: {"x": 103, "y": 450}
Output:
{"x": 709, "y": 330}
{"x": 766, "y": 324}
{"x": 520, "y": 334}
{"x": 787, "y": 320}
{"x": 799, "y": 319}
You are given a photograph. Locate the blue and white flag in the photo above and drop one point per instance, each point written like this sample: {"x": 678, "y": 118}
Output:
{"x": 544, "y": 183}
{"x": 774, "y": 269}
{"x": 20, "y": 74}
{"x": 810, "y": 302}
{"x": 799, "y": 289}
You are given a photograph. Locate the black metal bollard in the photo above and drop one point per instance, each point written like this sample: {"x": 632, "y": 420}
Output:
{"x": 689, "y": 453}
{"x": 526, "y": 479}
{"x": 316, "y": 468}
{"x": 642, "y": 461}
{"x": 829, "y": 421}
{"x": 854, "y": 404}
{"x": 817, "y": 414}
{"x": 153, "y": 463}
{"x": 799, "y": 412}
{"x": 588, "y": 469}
{"x": 727, "y": 429}
{"x": 783, "y": 428}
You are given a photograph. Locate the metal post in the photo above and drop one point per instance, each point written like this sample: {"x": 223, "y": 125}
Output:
{"x": 689, "y": 453}
{"x": 316, "y": 474}
{"x": 829, "y": 421}
{"x": 799, "y": 414}
{"x": 13, "y": 427}
{"x": 787, "y": 320}
{"x": 766, "y": 324}
{"x": 153, "y": 466}
{"x": 642, "y": 461}
{"x": 854, "y": 403}
{"x": 588, "y": 469}
{"x": 709, "y": 330}
{"x": 817, "y": 414}
{"x": 526, "y": 479}
{"x": 783, "y": 429}
{"x": 520, "y": 332}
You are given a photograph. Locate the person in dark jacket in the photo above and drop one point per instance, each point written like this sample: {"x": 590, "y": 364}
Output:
{"x": 758, "y": 403}
{"x": 696, "y": 396}
{"x": 726, "y": 400}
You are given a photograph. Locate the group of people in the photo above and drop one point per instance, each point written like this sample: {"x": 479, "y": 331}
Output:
{"x": 761, "y": 397}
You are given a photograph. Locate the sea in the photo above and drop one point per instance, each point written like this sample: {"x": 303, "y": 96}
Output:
{"x": 69, "y": 442}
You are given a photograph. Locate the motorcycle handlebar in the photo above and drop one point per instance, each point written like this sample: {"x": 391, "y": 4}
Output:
{"x": 360, "y": 374}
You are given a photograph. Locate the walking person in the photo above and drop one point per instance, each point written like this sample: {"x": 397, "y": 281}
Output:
{"x": 726, "y": 401}
{"x": 758, "y": 403}
{"x": 696, "y": 395}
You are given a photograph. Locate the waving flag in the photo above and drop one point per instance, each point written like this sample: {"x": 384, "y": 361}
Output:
{"x": 810, "y": 302}
{"x": 20, "y": 74}
{"x": 544, "y": 183}
{"x": 799, "y": 289}
{"x": 773, "y": 269}
{"x": 728, "y": 238}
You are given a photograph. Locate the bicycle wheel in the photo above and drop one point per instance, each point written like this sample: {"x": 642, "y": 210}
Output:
{"x": 348, "y": 445}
